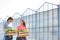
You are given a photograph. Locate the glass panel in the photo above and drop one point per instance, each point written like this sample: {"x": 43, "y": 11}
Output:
{"x": 45, "y": 29}
{"x": 41, "y": 36}
{"x": 41, "y": 29}
{"x": 45, "y": 36}
{"x": 50, "y": 36}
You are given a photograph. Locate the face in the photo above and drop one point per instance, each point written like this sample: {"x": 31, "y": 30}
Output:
{"x": 9, "y": 21}
{"x": 21, "y": 22}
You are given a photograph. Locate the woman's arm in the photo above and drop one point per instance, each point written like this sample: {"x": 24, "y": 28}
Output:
{"x": 27, "y": 28}
{"x": 17, "y": 29}
{"x": 4, "y": 27}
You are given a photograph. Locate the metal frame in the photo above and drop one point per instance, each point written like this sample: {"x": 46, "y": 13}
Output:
{"x": 45, "y": 3}
{"x": 58, "y": 23}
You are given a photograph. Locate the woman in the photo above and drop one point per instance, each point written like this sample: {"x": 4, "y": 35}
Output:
{"x": 7, "y": 25}
{"x": 21, "y": 26}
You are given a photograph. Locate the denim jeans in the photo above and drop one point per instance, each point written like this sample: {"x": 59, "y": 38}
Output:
{"x": 4, "y": 37}
{"x": 21, "y": 38}
{"x": 8, "y": 37}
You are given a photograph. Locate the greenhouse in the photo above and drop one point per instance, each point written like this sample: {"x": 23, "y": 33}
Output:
{"x": 43, "y": 23}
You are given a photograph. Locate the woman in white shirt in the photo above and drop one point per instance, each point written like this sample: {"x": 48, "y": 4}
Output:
{"x": 7, "y": 25}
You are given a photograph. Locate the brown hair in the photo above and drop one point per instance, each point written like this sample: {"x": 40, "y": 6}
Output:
{"x": 9, "y": 19}
{"x": 24, "y": 24}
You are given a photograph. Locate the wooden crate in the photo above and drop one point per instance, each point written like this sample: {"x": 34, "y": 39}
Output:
{"x": 23, "y": 34}
{"x": 11, "y": 33}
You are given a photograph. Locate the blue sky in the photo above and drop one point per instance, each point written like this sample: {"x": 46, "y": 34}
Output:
{"x": 9, "y": 7}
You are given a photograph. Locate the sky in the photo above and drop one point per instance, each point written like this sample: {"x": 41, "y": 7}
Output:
{"x": 10, "y": 7}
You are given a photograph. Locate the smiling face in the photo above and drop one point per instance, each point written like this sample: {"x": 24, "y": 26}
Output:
{"x": 9, "y": 21}
{"x": 21, "y": 22}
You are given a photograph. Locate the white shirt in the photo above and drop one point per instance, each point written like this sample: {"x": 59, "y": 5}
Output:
{"x": 10, "y": 25}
